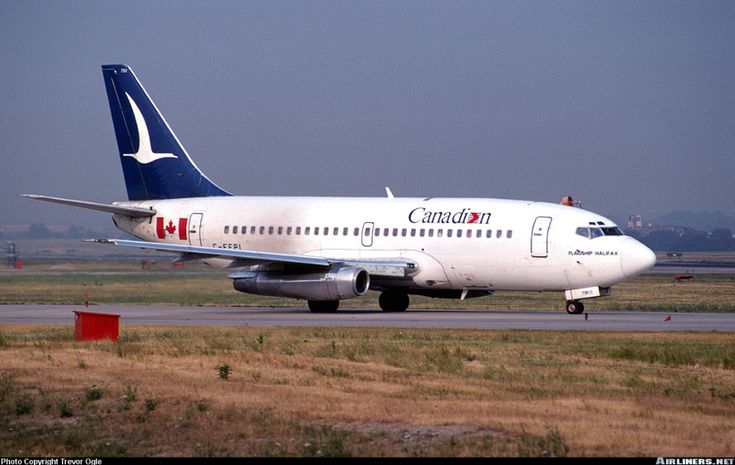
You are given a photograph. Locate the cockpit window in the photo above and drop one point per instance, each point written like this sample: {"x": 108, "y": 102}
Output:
{"x": 612, "y": 231}
{"x": 594, "y": 232}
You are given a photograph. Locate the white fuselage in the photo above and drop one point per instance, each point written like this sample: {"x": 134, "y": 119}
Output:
{"x": 468, "y": 243}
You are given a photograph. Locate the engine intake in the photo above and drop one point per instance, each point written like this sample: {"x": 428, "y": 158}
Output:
{"x": 337, "y": 284}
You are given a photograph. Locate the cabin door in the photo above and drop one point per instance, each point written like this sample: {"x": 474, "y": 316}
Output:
{"x": 195, "y": 229}
{"x": 540, "y": 237}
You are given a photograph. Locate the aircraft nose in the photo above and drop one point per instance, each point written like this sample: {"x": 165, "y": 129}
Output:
{"x": 635, "y": 258}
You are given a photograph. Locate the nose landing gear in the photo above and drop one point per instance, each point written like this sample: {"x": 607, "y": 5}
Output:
{"x": 575, "y": 307}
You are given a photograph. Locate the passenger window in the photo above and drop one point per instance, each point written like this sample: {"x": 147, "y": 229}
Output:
{"x": 289, "y": 230}
{"x": 395, "y": 232}
{"x": 439, "y": 232}
{"x": 449, "y": 232}
{"x": 386, "y": 232}
{"x": 234, "y": 230}
{"x": 479, "y": 233}
{"x": 262, "y": 230}
{"x": 326, "y": 231}
{"x": 509, "y": 234}
{"x": 403, "y": 232}
{"x": 413, "y": 232}
{"x": 345, "y": 231}
{"x": 270, "y": 230}
{"x": 307, "y": 230}
{"x": 367, "y": 231}
{"x": 377, "y": 232}
{"x": 469, "y": 233}
{"x": 489, "y": 234}
{"x": 227, "y": 229}
{"x": 298, "y": 230}
{"x": 499, "y": 233}
{"x": 335, "y": 232}
{"x": 316, "y": 231}
{"x": 280, "y": 230}
{"x": 357, "y": 231}
{"x": 431, "y": 233}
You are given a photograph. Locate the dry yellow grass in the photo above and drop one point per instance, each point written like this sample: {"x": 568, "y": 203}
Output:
{"x": 366, "y": 392}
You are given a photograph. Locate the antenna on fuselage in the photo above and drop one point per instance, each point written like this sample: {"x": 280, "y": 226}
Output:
{"x": 389, "y": 193}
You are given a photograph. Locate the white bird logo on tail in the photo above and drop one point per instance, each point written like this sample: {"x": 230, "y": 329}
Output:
{"x": 145, "y": 153}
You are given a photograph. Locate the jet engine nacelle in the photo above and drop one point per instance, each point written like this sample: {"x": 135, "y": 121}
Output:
{"x": 337, "y": 284}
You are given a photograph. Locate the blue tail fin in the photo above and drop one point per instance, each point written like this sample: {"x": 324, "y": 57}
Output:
{"x": 155, "y": 164}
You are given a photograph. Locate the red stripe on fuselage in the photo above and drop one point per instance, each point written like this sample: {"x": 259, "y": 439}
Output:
{"x": 182, "y": 228}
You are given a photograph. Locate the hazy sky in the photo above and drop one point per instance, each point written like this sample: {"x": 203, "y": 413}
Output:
{"x": 629, "y": 106}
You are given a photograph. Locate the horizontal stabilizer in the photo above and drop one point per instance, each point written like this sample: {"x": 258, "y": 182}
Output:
{"x": 103, "y": 207}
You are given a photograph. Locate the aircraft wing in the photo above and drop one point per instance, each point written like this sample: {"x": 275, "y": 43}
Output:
{"x": 243, "y": 258}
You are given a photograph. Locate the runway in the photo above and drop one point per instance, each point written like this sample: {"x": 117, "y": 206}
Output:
{"x": 415, "y": 318}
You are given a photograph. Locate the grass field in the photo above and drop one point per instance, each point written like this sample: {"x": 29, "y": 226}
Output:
{"x": 366, "y": 392}
{"x": 360, "y": 392}
{"x": 127, "y": 285}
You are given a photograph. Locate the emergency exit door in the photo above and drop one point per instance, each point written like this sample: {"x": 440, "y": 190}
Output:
{"x": 367, "y": 234}
{"x": 540, "y": 237}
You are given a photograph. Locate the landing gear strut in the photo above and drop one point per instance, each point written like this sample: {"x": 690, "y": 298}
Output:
{"x": 323, "y": 306}
{"x": 575, "y": 307}
{"x": 393, "y": 300}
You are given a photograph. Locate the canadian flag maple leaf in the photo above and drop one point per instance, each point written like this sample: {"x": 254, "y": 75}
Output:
{"x": 170, "y": 228}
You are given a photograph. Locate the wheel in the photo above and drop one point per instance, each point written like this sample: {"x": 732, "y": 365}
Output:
{"x": 393, "y": 300}
{"x": 323, "y": 306}
{"x": 575, "y": 307}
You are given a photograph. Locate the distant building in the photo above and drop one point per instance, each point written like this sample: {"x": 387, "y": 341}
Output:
{"x": 634, "y": 221}
{"x": 11, "y": 256}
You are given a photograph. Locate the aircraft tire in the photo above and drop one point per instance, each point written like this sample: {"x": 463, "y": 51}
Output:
{"x": 575, "y": 307}
{"x": 323, "y": 306}
{"x": 393, "y": 301}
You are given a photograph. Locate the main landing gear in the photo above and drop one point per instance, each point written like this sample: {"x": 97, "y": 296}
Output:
{"x": 323, "y": 306}
{"x": 575, "y": 307}
{"x": 393, "y": 300}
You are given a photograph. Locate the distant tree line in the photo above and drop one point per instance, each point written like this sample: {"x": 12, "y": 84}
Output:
{"x": 41, "y": 231}
{"x": 680, "y": 238}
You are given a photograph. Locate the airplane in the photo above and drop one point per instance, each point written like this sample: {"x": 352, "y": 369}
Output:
{"x": 327, "y": 249}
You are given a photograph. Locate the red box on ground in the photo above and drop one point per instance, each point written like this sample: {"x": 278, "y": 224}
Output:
{"x": 90, "y": 326}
